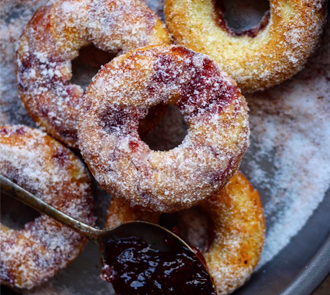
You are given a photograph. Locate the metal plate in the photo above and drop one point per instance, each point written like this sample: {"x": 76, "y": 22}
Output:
{"x": 295, "y": 269}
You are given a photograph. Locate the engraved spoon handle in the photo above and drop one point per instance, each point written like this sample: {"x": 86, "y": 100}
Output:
{"x": 15, "y": 191}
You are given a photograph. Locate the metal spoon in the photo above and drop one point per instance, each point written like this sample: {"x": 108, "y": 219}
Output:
{"x": 155, "y": 235}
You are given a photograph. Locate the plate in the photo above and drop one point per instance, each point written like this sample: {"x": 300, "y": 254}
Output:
{"x": 288, "y": 162}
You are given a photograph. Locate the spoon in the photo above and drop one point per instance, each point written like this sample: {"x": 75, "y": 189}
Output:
{"x": 156, "y": 236}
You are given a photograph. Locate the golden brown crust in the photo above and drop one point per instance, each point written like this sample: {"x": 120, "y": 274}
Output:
{"x": 49, "y": 170}
{"x": 273, "y": 56}
{"x": 239, "y": 225}
{"x": 240, "y": 233}
{"x": 120, "y": 95}
{"x": 53, "y": 38}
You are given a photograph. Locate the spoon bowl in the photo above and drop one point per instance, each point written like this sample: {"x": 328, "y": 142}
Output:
{"x": 153, "y": 234}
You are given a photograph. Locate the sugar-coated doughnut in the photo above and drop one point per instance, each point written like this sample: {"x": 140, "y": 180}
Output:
{"x": 121, "y": 94}
{"x": 53, "y": 38}
{"x": 258, "y": 58}
{"x": 239, "y": 231}
{"x": 41, "y": 165}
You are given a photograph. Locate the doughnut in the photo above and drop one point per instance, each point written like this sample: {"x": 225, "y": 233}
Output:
{"x": 259, "y": 58}
{"x": 53, "y": 38}
{"x": 239, "y": 231}
{"x": 165, "y": 181}
{"x": 41, "y": 165}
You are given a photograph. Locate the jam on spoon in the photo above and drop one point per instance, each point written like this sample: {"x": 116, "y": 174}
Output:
{"x": 139, "y": 257}
{"x": 135, "y": 268}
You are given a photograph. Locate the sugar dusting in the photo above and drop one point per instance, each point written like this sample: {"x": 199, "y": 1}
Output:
{"x": 298, "y": 99}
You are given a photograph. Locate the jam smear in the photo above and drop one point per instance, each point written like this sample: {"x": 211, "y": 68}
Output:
{"x": 134, "y": 268}
{"x": 198, "y": 93}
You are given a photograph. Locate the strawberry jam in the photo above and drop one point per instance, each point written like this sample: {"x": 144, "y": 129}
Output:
{"x": 134, "y": 268}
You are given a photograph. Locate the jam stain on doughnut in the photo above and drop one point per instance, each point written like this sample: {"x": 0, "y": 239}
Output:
{"x": 134, "y": 268}
{"x": 133, "y": 145}
{"x": 25, "y": 65}
{"x": 20, "y": 130}
{"x": 120, "y": 120}
{"x": 200, "y": 91}
{"x": 200, "y": 85}
{"x": 61, "y": 157}
{"x": 219, "y": 15}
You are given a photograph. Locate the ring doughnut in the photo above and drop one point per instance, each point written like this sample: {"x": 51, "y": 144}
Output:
{"x": 258, "y": 58}
{"x": 53, "y": 38}
{"x": 239, "y": 231}
{"x": 121, "y": 94}
{"x": 49, "y": 170}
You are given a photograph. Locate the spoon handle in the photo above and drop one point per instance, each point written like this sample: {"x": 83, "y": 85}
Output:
{"x": 17, "y": 192}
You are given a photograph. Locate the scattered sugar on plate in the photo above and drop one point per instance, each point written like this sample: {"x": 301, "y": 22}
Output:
{"x": 288, "y": 160}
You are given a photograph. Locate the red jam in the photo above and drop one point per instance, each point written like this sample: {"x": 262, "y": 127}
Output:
{"x": 134, "y": 268}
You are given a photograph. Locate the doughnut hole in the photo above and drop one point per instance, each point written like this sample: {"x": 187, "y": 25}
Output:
{"x": 15, "y": 214}
{"x": 193, "y": 225}
{"x": 243, "y": 17}
{"x": 170, "y": 132}
{"x": 86, "y": 65}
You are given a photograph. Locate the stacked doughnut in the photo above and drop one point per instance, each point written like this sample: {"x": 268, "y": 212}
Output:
{"x": 147, "y": 75}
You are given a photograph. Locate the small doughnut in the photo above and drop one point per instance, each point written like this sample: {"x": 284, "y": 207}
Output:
{"x": 239, "y": 231}
{"x": 257, "y": 58}
{"x": 121, "y": 94}
{"x": 41, "y": 165}
{"x": 53, "y": 38}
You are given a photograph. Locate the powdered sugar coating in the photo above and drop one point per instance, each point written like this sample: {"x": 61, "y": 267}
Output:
{"x": 47, "y": 169}
{"x": 274, "y": 55}
{"x": 121, "y": 94}
{"x": 53, "y": 38}
{"x": 239, "y": 225}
